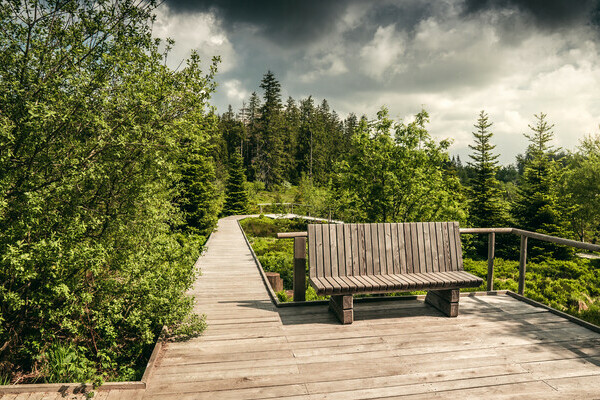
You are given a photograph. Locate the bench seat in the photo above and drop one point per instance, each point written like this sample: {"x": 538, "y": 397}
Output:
{"x": 389, "y": 283}
{"x": 348, "y": 259}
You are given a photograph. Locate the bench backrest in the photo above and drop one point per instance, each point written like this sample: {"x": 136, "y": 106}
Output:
{"x": 385, "y": 248}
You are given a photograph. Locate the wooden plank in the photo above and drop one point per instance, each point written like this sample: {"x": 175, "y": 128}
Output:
{"x": 375, "y": 248}
{"x": 428, "y": 253}
{"x": 355, "y": 259}
{"x": 446, "y": 241}
{"x": 389, "y": 256}
{"x": 395, "y": 250}
{"x": 312, "y": 256}
{"x": 381, "y": 249}
{"x": 453, "y": 247}
{"x": 421, "y": 247}
{"x": 435, "y": 263}
{"x": 402, "y": 249}
{"x": 346, "y": 259}
{"x": 341, "y": 256}
{"x": 326, "y": 251}
{"x": 319, "y": 259}
{"x": 414, "y": 244}
{"x": 362, "y": 250}
{"x": 439, "y": 238}
{"x": 459, "y": 253}
{"x": 368, "y": 250}
{"x": 333, "y": 254}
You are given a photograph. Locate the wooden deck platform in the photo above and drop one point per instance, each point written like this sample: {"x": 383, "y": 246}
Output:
{"x": 498, "y": 347}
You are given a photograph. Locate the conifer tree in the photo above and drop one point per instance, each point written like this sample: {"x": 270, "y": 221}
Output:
{"x": 199, "y": 196}
{"x": 486, "y": 206}
{"x": 236, "y": 200}
{"x": 269, "y": 157}
{"x": 537, "y": 207}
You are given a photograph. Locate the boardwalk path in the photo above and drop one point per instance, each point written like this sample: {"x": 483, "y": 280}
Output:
{"x": 496, "y": 348}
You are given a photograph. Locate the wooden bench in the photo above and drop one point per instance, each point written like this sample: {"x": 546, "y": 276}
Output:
{"x": 348, "y": 259}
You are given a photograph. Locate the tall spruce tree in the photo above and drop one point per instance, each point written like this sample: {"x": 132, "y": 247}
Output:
{"x": 270, "y": 166}
{"x": 537, "y": 207}
{"x": 486, "y": 206}
{"x": 236, "y": 200}
{"x": 198, "y": 199}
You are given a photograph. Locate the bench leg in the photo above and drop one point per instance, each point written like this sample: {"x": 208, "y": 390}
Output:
{"x": 444, "y": 300}
{"x": 342, "y": 307}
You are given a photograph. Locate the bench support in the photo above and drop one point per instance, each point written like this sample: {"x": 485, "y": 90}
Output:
{"x": 342, "y": 307}
{"x": 444, "y": 300}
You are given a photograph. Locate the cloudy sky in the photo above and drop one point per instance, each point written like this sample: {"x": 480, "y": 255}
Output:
{"x": 511, "y": 58}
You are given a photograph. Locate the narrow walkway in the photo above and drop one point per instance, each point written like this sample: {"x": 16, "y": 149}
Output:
{"x": 498, "y": 347}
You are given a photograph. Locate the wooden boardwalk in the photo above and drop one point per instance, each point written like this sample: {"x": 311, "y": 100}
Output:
{"x": 497, "y": 348}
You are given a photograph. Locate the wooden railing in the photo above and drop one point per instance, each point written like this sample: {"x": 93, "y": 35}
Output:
{"x": 289, "y": 206}
{"x": 300, "y": 253}
{"x": 524, "y": 235}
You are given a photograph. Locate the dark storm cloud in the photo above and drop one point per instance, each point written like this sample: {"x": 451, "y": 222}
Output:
{"x": 287, "y": 22}
{"x": 550, "y": 14}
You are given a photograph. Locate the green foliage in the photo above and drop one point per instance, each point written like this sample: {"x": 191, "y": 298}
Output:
{"x": 93, "y": 127}
{"x": 199, "y": 197}
{"x": 67, "y": 363}
{"x": 236, "y": 196}
{"x": 570, "y": 286}
{"x": 397, "y": 179}
{"x": 538, "y": 206}
{"x": 582, "y": 185}
{"x": 486, "y": 208}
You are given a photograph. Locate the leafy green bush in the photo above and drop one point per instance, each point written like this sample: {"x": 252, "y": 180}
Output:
{"x": 94, "y": 128}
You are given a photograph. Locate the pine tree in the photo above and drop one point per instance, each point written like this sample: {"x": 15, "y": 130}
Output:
{"x": 198, "y": 199}
{"x": 486, "y": 206}
{"x": 269, "y": 161}
{"x": 537, "y": 207}
{"x": 236, "y": 200}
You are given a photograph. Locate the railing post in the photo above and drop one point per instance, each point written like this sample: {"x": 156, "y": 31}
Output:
{"x": 299, "y": 268}
{"x": 522, "y": 264}
{"x": 491, "y": 251}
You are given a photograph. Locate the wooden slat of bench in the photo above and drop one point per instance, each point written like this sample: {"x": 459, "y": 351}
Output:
{"x": 401, "y": 249}
{"x": 341, "y": 246}
{"x": 326, "y": 251}
{"x": 375, "y": 249}
{"x": 459, "y": 255}
{"x": 320, "y": 266}
{"x": 368, "y": 250}
{"x": 440, "y": 246}
{"x": 382, "y": 261}
{"x": 333, "y": 243}
{"x": 435, "y": 266}
{"x": 421, "y": 244}
{"x": 446, "y": 241}
{"x": 428, "y": 255}
{"x": 354, "y": 261}
{"x": 312, "y": 259}
{"x": 362, "y": 249}
{"x": 452, "y": 240}
{"x": 394, "y": 249}
{"x": 389, "y": 258}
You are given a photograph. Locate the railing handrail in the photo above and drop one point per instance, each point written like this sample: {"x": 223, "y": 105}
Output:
{"x": 523, "y": 234}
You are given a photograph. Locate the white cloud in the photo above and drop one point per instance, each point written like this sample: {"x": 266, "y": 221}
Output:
{"x": 381, "y": 55}
{"x": 198, "y": 31}
{"x": 234, "y": 90}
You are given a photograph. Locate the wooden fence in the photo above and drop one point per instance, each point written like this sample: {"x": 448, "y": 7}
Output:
{"x": 300, "y": 253}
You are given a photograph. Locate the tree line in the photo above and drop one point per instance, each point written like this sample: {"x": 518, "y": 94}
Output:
{"x": 381, "y": 170}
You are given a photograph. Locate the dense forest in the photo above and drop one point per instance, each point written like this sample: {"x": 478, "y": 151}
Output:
{"x": 114, "y": 169}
